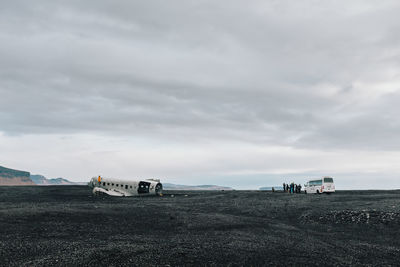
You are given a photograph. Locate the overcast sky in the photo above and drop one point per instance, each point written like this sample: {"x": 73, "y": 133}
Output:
{"x": 237, "y": 93}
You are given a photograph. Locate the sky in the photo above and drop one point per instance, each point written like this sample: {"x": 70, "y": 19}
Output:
{"x": 236, "y": 93}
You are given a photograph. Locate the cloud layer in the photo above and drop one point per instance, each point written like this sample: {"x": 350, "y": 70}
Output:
{"x": 307, "y": 78}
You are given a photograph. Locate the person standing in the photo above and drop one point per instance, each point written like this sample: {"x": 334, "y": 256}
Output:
{"x": 284, "y": 187}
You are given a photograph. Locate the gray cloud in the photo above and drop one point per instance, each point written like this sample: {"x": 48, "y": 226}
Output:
{"x": 309, "y": 75}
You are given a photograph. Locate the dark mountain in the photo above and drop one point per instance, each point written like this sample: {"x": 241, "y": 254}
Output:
{"x": 14, "y": 177}
{"x": 38, "y": 179}
{"x": 169, "y": 186}
{"x": 41, "y": 180}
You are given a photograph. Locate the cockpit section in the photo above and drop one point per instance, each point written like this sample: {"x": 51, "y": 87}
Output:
{"x": 159, "y": 189}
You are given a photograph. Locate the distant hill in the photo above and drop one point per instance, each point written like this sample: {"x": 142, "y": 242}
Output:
{"x": 269, "y": 188}
{"x": 41, "y": 180}
{"x": 168, "y": 186}
{"x": 14, "y": 177}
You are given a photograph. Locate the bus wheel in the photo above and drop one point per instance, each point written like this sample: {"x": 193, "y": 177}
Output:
{"x": 318, "y": 192}
{"x": 305, "y": 191}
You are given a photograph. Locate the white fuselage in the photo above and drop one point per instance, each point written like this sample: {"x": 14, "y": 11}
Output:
{"x": 118, "y": 187}
{"x": 323, "y": 185}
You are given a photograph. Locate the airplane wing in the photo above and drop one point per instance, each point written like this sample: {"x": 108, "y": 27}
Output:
{"x": 98, "y": 190}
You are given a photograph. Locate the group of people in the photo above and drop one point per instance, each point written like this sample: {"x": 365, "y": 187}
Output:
{"x": 292, "y": 188}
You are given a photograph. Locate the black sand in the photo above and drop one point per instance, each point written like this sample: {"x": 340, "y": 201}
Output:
{"x": 66, "y": 225}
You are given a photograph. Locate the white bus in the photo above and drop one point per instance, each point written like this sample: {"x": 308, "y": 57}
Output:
{"x": 319, "y": 186}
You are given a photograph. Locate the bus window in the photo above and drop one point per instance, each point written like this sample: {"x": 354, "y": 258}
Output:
{"x": 328, "y": 180}
{"x": 316, "y": 182}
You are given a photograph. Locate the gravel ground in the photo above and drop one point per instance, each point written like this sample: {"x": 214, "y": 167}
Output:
{"x": 67, "y": 226}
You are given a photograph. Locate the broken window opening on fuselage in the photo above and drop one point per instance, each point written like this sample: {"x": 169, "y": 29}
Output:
{"x": 143, "y": 187}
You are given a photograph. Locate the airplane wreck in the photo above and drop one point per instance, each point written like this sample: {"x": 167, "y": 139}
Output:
{"x": 125, "y": 188}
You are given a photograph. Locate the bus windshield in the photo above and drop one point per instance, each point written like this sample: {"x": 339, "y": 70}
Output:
{"x": 328, "y": 180}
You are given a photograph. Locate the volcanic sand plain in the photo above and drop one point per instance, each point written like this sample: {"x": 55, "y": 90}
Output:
{"x": 68, "y": 226}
